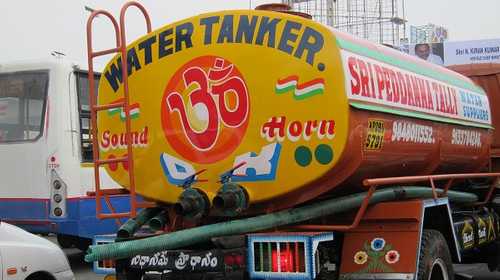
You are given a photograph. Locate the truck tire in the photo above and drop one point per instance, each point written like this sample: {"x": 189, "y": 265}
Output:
{"x": 435, "y": 258}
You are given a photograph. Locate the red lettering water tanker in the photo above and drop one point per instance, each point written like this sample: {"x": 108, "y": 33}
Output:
{"x": 262, "y": 110}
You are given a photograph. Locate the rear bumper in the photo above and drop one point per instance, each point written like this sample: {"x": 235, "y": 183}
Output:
{"x": 377, "y": 276}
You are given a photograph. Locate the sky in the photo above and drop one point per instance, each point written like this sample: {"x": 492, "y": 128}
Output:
{"x": 59, "y": 25}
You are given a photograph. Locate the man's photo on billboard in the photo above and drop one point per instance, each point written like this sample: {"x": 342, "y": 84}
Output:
{"x": 430, "y": 52}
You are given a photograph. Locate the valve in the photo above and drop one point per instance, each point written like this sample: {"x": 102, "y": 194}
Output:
{"x": 193, "y": 203}
{"x": 191, "y": 180}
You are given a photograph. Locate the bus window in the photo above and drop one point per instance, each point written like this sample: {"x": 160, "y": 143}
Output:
{"x": 84, "y": 111}
{"x": 22, "y": 105}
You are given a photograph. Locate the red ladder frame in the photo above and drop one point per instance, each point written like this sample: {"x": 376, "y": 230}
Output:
{"x": 121, "y": 47}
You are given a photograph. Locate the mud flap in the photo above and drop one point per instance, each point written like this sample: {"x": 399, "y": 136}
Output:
{"x": 385, "y": 244}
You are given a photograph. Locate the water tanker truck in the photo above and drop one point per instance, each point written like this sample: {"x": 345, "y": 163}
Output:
{"x": 265, "y": 145}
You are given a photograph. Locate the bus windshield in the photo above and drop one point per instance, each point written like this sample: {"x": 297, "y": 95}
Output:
{"x": 22, "y": 104}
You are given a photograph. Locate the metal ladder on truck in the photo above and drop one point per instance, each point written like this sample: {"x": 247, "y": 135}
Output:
{"x": 121, "y": 48}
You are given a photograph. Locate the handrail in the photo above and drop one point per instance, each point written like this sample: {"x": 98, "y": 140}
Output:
{"x": 375, "y": 183}
{"x": 122, "y": 18}
{"x": 121, "y": 42}
{"x": 93, "y": 99}
{"x": 433, "y": 178}
{"x": 128, "y": 124}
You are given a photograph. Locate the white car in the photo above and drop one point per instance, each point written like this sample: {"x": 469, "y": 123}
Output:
{"x": 26, "y": 256}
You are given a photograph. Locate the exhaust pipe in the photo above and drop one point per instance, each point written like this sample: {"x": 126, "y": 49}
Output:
{"x": 231, "y": 200}
{"x": 192, "y": 204}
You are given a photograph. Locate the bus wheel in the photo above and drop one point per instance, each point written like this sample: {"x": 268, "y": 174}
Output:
{"x": 435, "y": 258}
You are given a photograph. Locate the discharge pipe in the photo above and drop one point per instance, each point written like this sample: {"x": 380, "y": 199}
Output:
{"x": 231, "y": 200}
{"x": 195, "y": 235}
{"x": 159, "y": 221}
{"x": 192, "y": 204}
{"x": 132, "y": 225}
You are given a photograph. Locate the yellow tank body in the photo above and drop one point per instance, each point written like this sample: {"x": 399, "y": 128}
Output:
{"x": 268, "y": 93}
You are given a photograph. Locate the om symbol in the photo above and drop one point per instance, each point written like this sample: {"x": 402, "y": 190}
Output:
{"x": 205, "y": 109}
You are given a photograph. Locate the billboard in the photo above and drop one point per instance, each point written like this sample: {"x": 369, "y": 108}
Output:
{"x": 478, "y": 51}
{"x": 459, "y": 52}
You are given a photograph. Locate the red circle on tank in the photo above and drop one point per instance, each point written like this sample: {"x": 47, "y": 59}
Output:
{"x": 205, "y": 109}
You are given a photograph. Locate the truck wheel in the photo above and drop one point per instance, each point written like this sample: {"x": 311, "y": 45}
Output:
{"x": 435, "y": 258}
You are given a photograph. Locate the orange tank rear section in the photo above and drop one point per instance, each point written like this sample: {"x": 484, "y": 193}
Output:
{"x": 488, "y": 77}
{"x": 383, "y": 145}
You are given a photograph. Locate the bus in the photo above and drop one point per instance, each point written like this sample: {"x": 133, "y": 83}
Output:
{"x": 46, "y": 169}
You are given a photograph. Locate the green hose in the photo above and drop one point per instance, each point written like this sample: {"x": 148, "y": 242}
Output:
{"x": 191, "y": 236}
{"x": 132, "y": 225}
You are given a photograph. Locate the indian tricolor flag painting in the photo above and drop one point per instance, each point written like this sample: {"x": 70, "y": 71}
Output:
{"x": 134, "y": 110}
{"x": 300, "y": 91}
